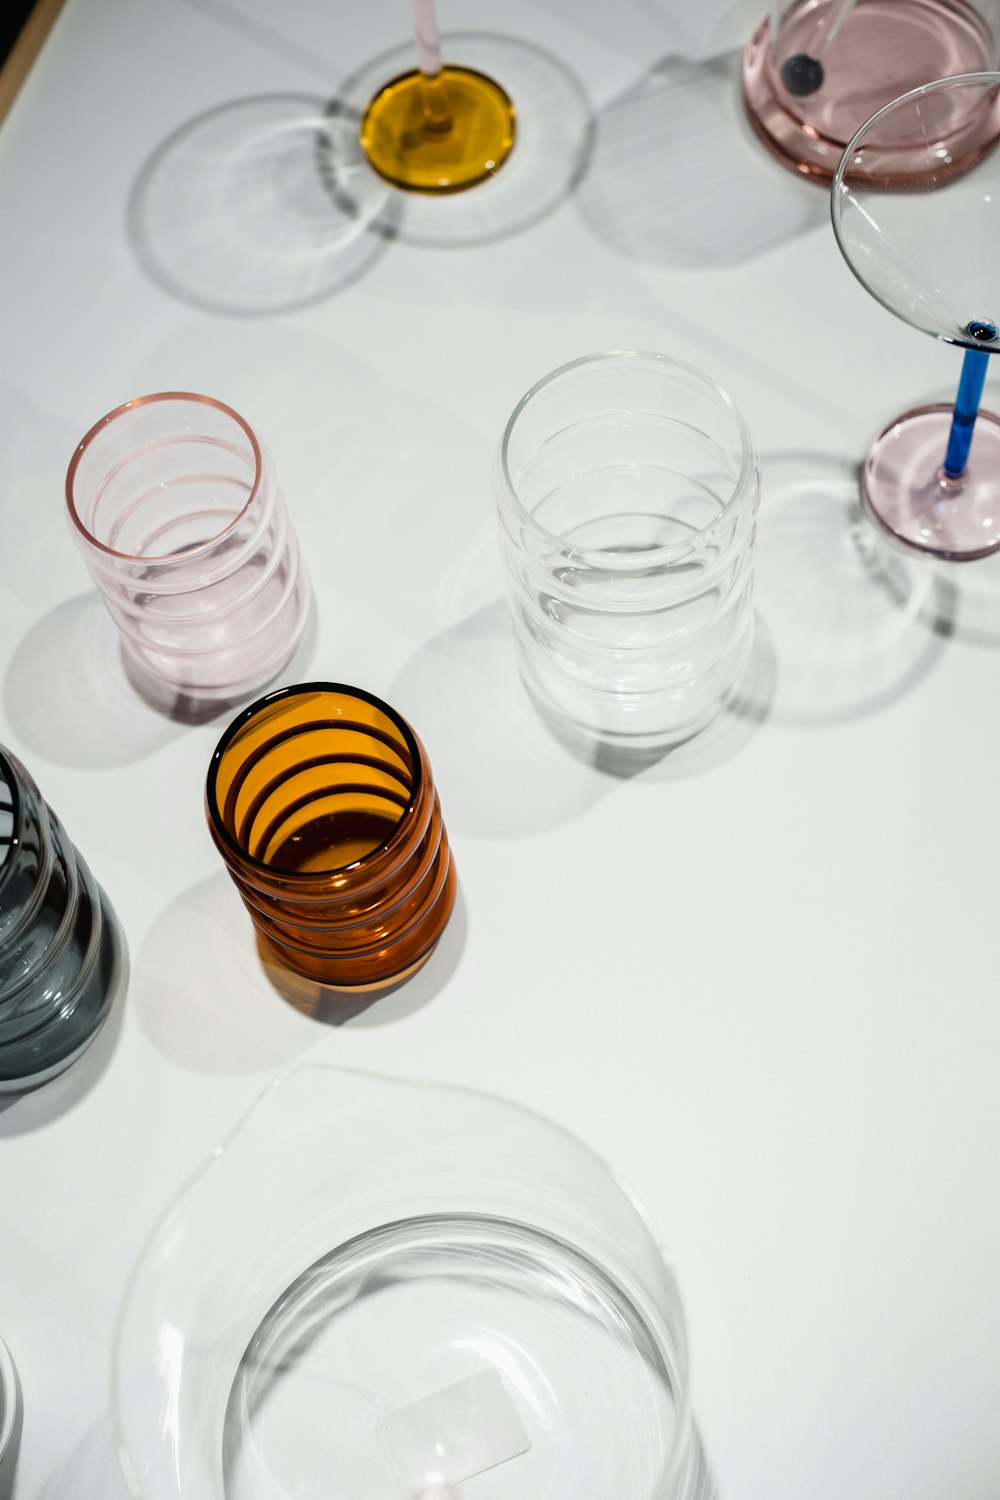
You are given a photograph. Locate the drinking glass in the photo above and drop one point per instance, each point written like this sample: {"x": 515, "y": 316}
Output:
{"x": 320, "y": 800}
{"x": 927, "y": 249}
{"x": 175, "y": 506}
{"x": 815, "y": 70}
{"x": 60, "y": 945}
{"x": 627, "y": 498}
{"x": 377, "y": 1288}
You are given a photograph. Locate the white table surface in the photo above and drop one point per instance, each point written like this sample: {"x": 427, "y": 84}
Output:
{"x": 758, "y": 977}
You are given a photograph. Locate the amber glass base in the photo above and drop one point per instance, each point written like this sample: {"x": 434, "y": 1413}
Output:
{"x": 440, "y": 134}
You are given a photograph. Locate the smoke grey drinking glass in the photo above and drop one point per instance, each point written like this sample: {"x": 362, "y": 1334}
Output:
{"x": 627, "y": 498}
{"x": 60, "y": 944}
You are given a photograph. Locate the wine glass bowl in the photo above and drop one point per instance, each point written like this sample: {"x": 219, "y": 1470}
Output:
{"x": 926, "y": 245}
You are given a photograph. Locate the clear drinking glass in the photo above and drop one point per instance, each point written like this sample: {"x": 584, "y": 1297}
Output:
{"x": 321, "y": 801}
{"x": 815, "y": 70}
{"x": 374, "y": 1288}
{"x": 60, "y": 945}
{"x": 175, "y": 506}
{"x": 627, "y": 497}
{"x": 928, "y": 249}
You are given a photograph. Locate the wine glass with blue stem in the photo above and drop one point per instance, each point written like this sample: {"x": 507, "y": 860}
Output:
{"x": 926, "y": 244}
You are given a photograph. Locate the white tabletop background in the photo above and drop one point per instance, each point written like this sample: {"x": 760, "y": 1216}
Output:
{"x": 759, "y": 977}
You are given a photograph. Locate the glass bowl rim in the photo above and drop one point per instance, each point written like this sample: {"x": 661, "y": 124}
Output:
{"x": 838, "y": 189}
{"x": 10, "y": 1400}
{"x": 103, "y": 423}
{"x": 304, "y": 878}
{"x": 684, "y": 1427}
{"x": 601, "y": 557}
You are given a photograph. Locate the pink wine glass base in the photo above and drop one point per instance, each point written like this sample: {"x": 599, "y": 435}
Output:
{"x": 908, "y": 495}
{"x": 886, "y": 47}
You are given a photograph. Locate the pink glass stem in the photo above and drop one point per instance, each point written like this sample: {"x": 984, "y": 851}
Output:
{"x": 427, "y": 37}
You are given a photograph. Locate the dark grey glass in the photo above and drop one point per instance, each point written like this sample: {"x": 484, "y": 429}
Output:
{"x": 60, "y": 943}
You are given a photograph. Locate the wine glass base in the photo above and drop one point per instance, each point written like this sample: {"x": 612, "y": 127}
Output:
{"x": 439, "y": 135}
{"x": 886, "y": 48}
{"x": 907, "y": 494}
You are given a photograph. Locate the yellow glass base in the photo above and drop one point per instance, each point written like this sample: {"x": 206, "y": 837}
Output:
{"x": 440, "y": 134}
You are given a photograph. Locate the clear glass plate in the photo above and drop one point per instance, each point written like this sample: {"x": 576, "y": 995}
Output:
{"x": 380, "y": 1289}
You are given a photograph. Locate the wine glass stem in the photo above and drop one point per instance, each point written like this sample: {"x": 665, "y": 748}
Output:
{"x": 775, "y": 12}
{"x": 831, "y": 36}
{"x": 427, "y": 37}
{"x": 970, "y": 393}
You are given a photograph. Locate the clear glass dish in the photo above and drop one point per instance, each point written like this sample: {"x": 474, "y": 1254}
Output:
{"x": 377, "y": 1288}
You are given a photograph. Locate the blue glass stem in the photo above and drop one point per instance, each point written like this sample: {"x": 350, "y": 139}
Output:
{"x": 970, "y": 393}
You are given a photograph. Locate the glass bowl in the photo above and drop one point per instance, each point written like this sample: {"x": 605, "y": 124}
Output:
{"x": 378, "y": 1288}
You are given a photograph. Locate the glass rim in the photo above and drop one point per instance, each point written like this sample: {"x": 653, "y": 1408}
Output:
{"x": 287, "y": 1079}
{"x": 838, "y": 190}
{"x": 600, "y": 556}
{"x": 10, "y": 781}
{"x": 102, "y": 424}
{"x": 9, "y": 1399}
{"x": 244, "y": 717}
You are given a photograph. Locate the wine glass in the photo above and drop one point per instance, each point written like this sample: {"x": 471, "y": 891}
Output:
{"x": 927, "y": 246}
{"x": 815, "y": 70}
{"x": 437, "y": 128}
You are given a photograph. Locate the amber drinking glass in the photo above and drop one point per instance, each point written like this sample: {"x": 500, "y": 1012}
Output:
{"x": 321, "y": 802}
{"x": 175, "y": 505}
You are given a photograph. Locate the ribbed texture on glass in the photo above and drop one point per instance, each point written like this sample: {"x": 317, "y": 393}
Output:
{"x": 321, "y": 802}
{"x": 174, "y": 503}
{"x": 58, "y": 937}
{"x": 627, "y": 501}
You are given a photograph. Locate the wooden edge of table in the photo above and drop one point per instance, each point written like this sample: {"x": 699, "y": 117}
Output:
{"x": 24, "y": 51}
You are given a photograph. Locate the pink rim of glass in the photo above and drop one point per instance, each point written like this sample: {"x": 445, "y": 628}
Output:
{"x": 104, "y": 423}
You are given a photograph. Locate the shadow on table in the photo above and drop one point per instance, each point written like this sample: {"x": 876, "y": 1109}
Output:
{"x": 234, "y": 211}
{"x": 856, "y": 623}
{"x": 20, "y": 1113}
{"x": 75, "y": 699}
{"x": 92, "y": 1471}
{"x": 677, "y": 178}
{"x": 969, "y": 602}
{"x": 208, "y": 1000}
{"x": 267, "y": 204}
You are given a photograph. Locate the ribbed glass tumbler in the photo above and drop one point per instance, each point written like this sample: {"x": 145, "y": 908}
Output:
{"x": 60, "y": 945}
{"x": 627, "y": 497}
{"x": 174, "y": 503}
{"x": 321, "y": 802}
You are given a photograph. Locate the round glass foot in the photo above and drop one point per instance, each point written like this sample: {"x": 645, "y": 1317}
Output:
{"x": 806, "y": 115}
{"x": 907, "y": 493}
{"x": 440, "y": 134}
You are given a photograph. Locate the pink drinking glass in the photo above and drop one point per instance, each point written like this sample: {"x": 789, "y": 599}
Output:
{"x": 174, "y": 502}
